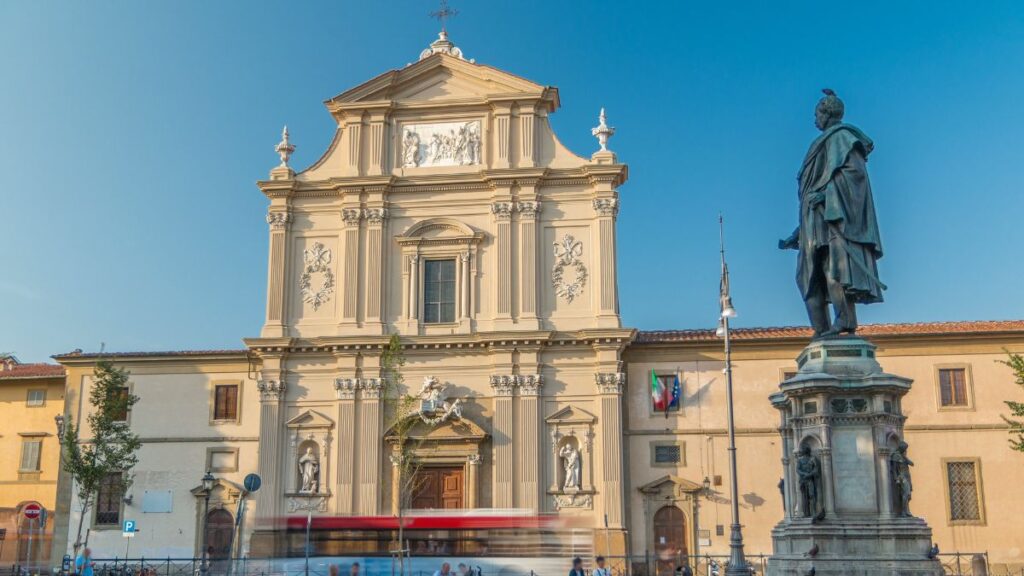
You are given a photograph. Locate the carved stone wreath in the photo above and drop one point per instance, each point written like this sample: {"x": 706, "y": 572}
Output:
{"x": 568, "y": 253}
{"x": 317, "y": 260}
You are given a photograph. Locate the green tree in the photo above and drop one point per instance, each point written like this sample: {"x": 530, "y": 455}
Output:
{"x": 400, "y": 409}
{"x": 1016, "y": 363}
{"x": 110, "y": 447}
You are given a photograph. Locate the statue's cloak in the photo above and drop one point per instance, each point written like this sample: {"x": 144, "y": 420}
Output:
{"x": 836, "y": 166}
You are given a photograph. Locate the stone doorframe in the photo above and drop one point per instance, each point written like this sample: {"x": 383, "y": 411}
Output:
{"x": 452, "y": 443}
{"x": 672, "y": 490}
{"x": 223, "y": 496}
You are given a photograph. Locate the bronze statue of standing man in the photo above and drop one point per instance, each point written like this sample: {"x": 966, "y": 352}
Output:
{"x": 838, "y": 235}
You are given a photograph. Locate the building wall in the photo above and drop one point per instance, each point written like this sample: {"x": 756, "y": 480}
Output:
{"x": 934, "y": 434}
{"x": 19, "y": 422}
{"x": 173, "y": 421}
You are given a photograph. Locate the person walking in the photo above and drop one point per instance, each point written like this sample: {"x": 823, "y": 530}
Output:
{"x": 601, "y": 570}
{"x": 577, "y": 567}
{"x": 446, "y": 570}
{"x": 83, "y": 564}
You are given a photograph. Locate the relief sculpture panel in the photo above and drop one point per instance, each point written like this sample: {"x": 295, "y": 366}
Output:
{"x": 441, "y": 144}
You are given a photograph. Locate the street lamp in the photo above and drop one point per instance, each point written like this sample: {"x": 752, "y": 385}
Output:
{"x": 208, "y": 481}
{"x": 738, "y": 565}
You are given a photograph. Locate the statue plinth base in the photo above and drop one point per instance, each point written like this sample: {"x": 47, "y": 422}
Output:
{"x": 844, "y": 409}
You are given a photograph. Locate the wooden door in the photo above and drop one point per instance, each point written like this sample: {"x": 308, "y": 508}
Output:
{"x": 438, "y": 488}
{"x": 669, "y": 537}
{"x": 219, "y": 526}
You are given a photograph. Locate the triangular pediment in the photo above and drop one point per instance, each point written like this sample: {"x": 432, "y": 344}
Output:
{"x": 571, "y": 415}
{"x": 310, "y": 419}
{"x": 670, "y": 481}
{"x": 443, "y": 78}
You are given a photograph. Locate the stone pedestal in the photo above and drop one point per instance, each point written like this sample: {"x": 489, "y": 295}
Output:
{"x": 842, "y": 429}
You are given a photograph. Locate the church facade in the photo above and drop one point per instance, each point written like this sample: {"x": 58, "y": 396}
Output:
{"x": 447, "y": 212}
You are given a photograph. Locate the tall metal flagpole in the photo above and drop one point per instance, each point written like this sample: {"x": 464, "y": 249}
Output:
{"x": 738, "y": 565}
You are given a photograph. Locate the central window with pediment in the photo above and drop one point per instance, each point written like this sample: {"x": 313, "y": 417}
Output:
{"x": 439, "y": 291}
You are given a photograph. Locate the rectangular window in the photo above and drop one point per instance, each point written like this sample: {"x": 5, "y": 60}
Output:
{"x": 108, "y": 500}
{"x": 30, "y": 455}
{"x": 953, "y": 386}
{"x": 669, "y": 400}
{"x": 964, "y": 502}
{"x": 121, "y": 411}
{"x": 36, "y": 398}
{"x": 667, "y": 454}
{"x": 438, "y": 291}
{"x": 225, "y": 402}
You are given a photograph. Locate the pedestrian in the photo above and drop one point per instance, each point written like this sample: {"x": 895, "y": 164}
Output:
{"x": 463, "y": 570}
{"x": 577, "y": 567}
{"x": 684, "y": 570}
{"x": 354, "y": 571}
{"x": 601, "y": 570}
{"x": 84, "y": 564}
{"x": 333, "y": 570}
{"x": 446, "y": 570}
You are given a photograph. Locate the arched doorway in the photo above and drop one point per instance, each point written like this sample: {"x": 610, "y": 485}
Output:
{"x": 669, "y": 538}
{"x": 219, "y": 526}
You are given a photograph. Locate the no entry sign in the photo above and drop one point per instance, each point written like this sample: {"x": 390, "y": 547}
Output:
{"x": 32, "y": 510}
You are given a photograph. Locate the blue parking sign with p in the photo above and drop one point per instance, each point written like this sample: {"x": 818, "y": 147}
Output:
{"x": 129, "y": 526}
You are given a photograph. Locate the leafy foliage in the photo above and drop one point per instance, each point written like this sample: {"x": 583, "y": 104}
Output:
{"x": 110, "y": 447}
{"x": 1016, "y": 363}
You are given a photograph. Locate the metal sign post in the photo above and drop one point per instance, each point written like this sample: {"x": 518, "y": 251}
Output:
{"x": 128, "y": 531}
{"x": 251, "y": 484}
{"x": 32, "y": 511}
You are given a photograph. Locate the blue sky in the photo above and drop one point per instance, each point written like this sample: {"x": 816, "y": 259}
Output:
{"x": 133, "y": 133}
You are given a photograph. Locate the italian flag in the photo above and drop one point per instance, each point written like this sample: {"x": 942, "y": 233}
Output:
{"x": 662, "y": 397}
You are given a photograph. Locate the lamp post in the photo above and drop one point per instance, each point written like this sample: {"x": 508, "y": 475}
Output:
{"x": 208, "y": 481}
{"x": 738, "y": 565}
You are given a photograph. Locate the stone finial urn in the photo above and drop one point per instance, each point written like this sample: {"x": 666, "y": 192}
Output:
{"x": 846, "y": 475}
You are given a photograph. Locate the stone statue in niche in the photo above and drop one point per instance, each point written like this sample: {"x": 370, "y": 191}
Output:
{"x": 309, "y": 472}
{"x": 571, "y": 464}
{"x": 899, "y": 467}
{"x": 808, "y": 469}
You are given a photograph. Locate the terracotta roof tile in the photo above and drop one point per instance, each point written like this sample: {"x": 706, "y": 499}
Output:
{"x": 200, "y": 353}
{"x": 32, "y": 371}
{"x": 804, "y": 332}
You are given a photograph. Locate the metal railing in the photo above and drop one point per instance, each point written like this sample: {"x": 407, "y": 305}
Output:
{"x": 953, "y": 564}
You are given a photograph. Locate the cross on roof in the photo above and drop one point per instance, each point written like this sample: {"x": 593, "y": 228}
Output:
{"x": 443, "y": 14}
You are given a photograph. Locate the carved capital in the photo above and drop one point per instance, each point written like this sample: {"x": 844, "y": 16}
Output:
{"x": 529, "y": 384}
{"x": 351, "y": 216}
{"x": 346, "y": 388}
{"x": 375, "y": 216}
{"x": 528, "y": 210}
{"x": 502, "y": 210}
{"x": 606, "y": 206}
{"x": 503, "y": 384}
{"x": 371, "y": 387}
{"x": 474, "y": 459}
{"x": 270, "y": 390}
{"x": 610, "y": 382}
{"x": 278, "y": 220}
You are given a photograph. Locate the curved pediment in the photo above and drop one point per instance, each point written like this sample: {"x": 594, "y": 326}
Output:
{"x": 456, "y": 429}
{"x": 440, "y": 230}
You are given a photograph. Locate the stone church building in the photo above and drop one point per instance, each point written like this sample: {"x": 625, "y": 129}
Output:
{"x": 447, "y": 211}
